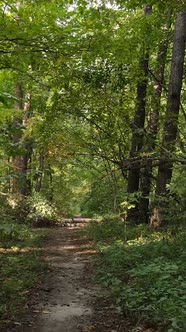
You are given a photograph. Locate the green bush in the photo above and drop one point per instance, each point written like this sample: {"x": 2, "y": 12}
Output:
{"x": 41, "y": 212}
{"x": 105, "y": 230}
{"x": 174, "y": 204}
{"x": 110, "y": 229}
{"x": 12, "y": 232}
{"x": 8, "y": 232}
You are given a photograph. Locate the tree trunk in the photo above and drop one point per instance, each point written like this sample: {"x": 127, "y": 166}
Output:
{"x": 138, "y": 128}
{"x": 39, "y": 176}
{"x": 26, "y": 186}
{"x": 16, "y": 139}
{"x": 21, "y": 184}
{"x": 173, "y": 106}
{"x": 152, "y": 130}
{"x": 51, "y": 191}
{"x": 27, "y": 146}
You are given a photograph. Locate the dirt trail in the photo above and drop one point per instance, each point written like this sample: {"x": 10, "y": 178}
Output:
{"x": 67, "y": 297}
{"x": 68, "y": 300}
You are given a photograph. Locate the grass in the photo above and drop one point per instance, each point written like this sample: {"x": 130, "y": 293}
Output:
{"x": 144, "y": 271}
{"x": 21, "y": 268}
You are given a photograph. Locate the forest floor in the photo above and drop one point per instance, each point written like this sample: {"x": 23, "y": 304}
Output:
{"x": 69, "y": 300}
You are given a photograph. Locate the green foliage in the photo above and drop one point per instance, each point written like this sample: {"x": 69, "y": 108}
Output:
{"x": 21, "y": 269}
{"x": 173, "y": 203}
{"x": 11, "y": 232}
{"x": 146, "y": 274}
{"x": 42, "y": 213}
{"x": 103, "y": 199}
{"x": 106, "y": 230}
{"x": 177, "y": 200}
{"x": 112, "y": 228}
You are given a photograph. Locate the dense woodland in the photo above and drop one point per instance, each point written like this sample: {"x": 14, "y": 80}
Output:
{"x": 92, "y": 123}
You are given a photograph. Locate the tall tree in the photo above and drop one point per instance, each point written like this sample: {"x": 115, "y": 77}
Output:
{"x": 173, "y": 105}
{"x": 27, "y": 149}
{"x": 138, "y": 126}
{"x": 39, "y": 172}
{"x": 146, "y": 175}
{"x": 17, "y": 162}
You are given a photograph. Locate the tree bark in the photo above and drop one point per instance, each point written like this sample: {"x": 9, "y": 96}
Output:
{"x": 152, "y": 130}
{"x": 173, "y": 106}
{"x": 16, "y": 139}
{"x": 51, "y": 191}
{"x": 39, "y": 176}
{"x": 26, "y": 157}
{"x": 21, "y": 183}
{"x": 138, "y": 128}
{"x": 173, "y": 103}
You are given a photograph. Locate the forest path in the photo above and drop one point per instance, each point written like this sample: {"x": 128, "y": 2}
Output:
{"x": 66, "y": 295}
{"x": 68, "y": 300}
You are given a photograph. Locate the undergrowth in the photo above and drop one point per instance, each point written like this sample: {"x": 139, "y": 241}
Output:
{"x": 41, "y": 212}
{"x": 21, "y": 268}
{"x": 144, "y": 271}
